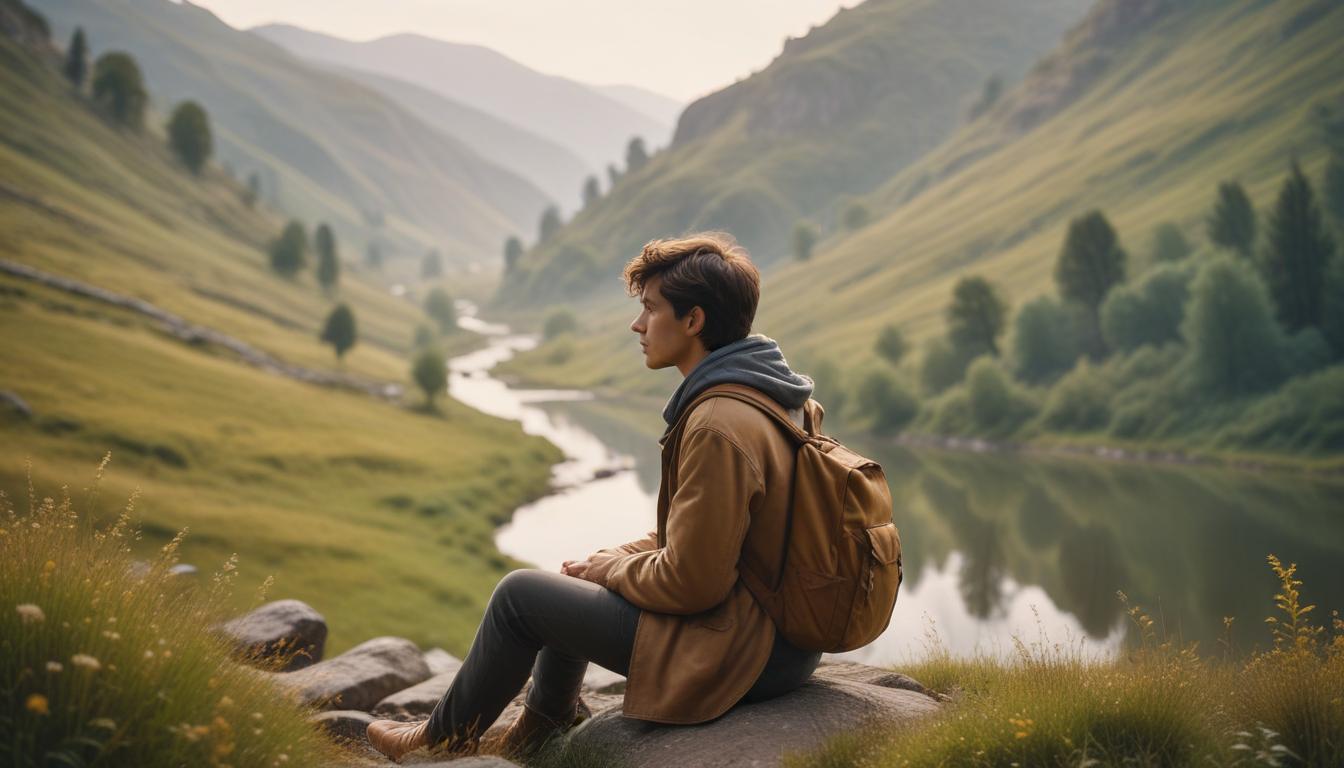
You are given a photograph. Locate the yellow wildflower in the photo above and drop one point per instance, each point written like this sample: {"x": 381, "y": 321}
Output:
{"x": 49, "y": 566}
{"x": 37, "y": 704}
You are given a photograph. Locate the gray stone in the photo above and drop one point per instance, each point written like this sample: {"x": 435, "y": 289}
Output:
{"x": 441, "y": 661}
{"x": 601, "y": 680}
{"x": 286, "y": 630}
{"x": 758, "y": 734}
{"x": 418, "y": 700}
{"x": 12, "y": 402}
{"x": 345, "y": 723}
{"x": 359, "y": 678}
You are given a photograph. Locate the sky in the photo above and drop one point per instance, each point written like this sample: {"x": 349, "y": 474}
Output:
{"x": 679, "y": 48}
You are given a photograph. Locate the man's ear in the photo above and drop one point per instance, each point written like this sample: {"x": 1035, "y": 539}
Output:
{"x": 695, "y": 321}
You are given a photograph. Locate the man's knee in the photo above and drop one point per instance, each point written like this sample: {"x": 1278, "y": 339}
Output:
{"x": 517, "y": 583}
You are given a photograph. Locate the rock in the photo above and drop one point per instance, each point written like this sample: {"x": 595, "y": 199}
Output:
{"x": 346, "y": 723}
{"x": 288, "y": 629}
{"x": 12, "y": 402}
{"x": 601, "y": 680}
{"x": 359, "y": 678}
{"x": 836, "y": 699}
{"x": 416, "y": 701}
{"x": 441, "y": 661}
{"x": 862, "y": 673}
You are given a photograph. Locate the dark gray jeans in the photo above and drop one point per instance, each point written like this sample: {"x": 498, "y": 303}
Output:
{"x": 551, "y": 626}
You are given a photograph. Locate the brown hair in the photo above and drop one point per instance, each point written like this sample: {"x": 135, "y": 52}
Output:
{"x": 707, "y": 270}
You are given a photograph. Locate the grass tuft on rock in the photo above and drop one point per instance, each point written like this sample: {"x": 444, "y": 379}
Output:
{"x": 107, "y": 660}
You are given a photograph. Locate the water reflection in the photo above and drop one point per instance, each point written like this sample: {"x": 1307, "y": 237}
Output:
{"x": 994, "y": 546}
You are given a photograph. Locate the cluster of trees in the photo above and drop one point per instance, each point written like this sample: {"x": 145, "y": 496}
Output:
{"x": 1196, "y": 332}
{"x": 853, "y": 216}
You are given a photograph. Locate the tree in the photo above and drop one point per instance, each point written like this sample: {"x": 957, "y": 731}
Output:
{"x": 424, "y": 336}
{"x": 77, "y": 59}
{"x": 804, "y": 240}
{"x": 856, "y": 216}
{"x": 1298, "y": 253}
{"x": 1044, "y": 344}
{"x": 189, "y": 135}
{"x": 636, "y": 156}
{"x": 439, "y": 307}
{"x": 942, "y": 366}
{"x": 997, "y": 405}
{"x": 328, "y": 264}
{"x": 1333, "y": 190}
{"x": 613, "y": 175}
{"x": 591, "y": 191}
{"x": 1235, "y": 345}
{"x": 975, "y": 318}
{"x": 1169, "y": 244}
{"x": 989, "y": 96}
{"x": 1332, "y": 310}
{"x": 430, "y": 372}
{"x": 253, "y": 190}
{"x": 1090, "y": 264}
{"x": 119, "y": 89}
{"x": 339, "y": 330}
{"x": 289, "y": 252}
{"x": 1149, "y": 312}
{"x": 550, "y": 224}
{"x": 890, "y": 404}
{"x": 891, "y": 345}
{"x": 559, "y": 322}
{"x": 513, "y": 253}
{"x": 431, "y": 266}
{"x": 1232, "y": 223}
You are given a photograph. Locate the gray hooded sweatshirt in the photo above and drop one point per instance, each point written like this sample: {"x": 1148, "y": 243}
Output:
{"x": 754, "y": 361}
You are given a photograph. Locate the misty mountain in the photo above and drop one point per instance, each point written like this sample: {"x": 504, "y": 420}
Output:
{"x": 325, "y": 148}
{"x": 594, "y": 126}
{"x": 655, "y": 105}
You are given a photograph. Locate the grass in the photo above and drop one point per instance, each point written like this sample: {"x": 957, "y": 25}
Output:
{"x": 103, "y": 664}
{"x": 1163, "y": 703}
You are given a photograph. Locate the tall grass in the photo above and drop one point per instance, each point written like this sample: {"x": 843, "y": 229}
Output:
{"x": 104, "y": 661}
{"x": 1160, "y": 704}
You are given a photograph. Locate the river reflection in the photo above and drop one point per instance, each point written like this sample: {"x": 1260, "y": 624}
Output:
{"x": 995, "y": 546}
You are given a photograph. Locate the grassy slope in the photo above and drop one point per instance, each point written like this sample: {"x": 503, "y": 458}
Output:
{"x": 336, "y": 150}
{"x": 347, "y": 500}
{"x": 837, "y": 113}
{"x": 1216, "y": 91}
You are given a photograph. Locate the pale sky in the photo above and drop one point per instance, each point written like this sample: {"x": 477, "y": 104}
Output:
{"x": 679, "y": 48}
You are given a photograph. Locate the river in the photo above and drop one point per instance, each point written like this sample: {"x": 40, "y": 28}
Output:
{"x": 998, "y": 549}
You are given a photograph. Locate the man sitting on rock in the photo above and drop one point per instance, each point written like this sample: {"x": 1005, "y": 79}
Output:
{"x": 670, "y": 611}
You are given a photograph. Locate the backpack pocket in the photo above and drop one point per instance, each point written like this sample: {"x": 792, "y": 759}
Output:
{"x": 810, "y": 612}
{"x": 881, "y": 579}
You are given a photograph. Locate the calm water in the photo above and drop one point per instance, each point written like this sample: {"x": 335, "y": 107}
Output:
{"x": 995, "y": 547}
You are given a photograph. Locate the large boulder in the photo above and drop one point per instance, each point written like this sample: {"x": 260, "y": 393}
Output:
{"x": 839, "y": 697}
{"x": 360, "y": 677}
{"x": 417, "y": 701}
{"x": 441, "y": 661}
{"x": 287, "y": 632}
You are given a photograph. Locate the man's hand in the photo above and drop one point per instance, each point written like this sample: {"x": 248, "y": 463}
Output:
{"x": 575, "y": 568}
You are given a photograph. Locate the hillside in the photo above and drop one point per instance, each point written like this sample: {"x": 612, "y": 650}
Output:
{"x": 326, "y": 149}
{"x": 835, "y": 115}
{"x": 340, "y": 496}
{"x": 588, "y": 123}
{"x": 552, "y": 168}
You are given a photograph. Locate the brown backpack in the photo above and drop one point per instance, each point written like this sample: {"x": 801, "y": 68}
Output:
{"x": 842, "y": 553}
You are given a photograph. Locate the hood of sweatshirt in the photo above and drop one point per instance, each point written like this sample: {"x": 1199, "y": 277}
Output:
{"x": 755, "y": 361}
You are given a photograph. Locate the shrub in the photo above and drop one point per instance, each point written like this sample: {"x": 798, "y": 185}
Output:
{"x": 804, "y": 240}
{"x": 1044, "y": 344}
{"x": 424, "y": 336}
{"x": 997, "y": 405}
{"x": 339, "y": 330}
{"x": 109, "y": 663}
{"x": 942, "y": 366}
{"x": 189, "y": 135}
{"x": 1332, "y": 309}
{"x": 1235, "y": 344}
{"x": 1305, "y": 415}
{"x": 1232, "y": 224}
{"x": 891, "y": 345}
{"x": 975, "y": 318}
{"x": 1305, "y": 352}
{"x": 289, "y": 252}
{"x": 887, "y": 401}
{"x": 559, "y": 322}
{"x": 119, "y": 89}
{"x": 430, "y": 373}
{"x": 1169, "y": 244}
{"x": 856, "y": 216}
{"x": 1079, "y": 402}
{"x": 1149, "y": 312}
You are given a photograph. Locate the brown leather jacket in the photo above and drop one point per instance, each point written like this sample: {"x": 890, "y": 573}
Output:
{"x": 702, "y": 640}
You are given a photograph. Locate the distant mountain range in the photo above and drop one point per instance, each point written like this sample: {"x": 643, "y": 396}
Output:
{"x": 594, "y": 123}
{"x": 325, "y": 147}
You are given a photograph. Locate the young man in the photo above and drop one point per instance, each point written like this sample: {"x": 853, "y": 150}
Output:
{"x": 669, "y": 611}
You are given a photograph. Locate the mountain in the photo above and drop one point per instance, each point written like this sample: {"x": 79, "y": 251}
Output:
{"x": 590, "y": 124}
{"x": 552, "y": 168}
{"x": 661, "y": 108}
{"x": 836, "y": 114}
{"x": 325, "y": 148}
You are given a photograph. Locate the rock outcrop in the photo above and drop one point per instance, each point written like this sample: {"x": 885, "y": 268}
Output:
{"x": 288, "y": 631}
{"x": 361, "y": 677}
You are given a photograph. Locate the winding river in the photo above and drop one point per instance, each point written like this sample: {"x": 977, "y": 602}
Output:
{"x": 1001, "y": 552}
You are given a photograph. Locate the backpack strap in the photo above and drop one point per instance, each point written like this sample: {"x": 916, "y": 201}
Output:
{"x": 763, "y": 402}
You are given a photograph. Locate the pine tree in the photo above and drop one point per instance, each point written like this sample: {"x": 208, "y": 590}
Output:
{"x": 1298, "y": 254}
{"x": 975, "y": 318}
{"x": 289, "y": 252}
{"x": 328, "y": 263}
{"x": 339, "y": 330}
{"x": 1090, "y": 264}
{"x": 189, "y": 135}
{"x": 513, "y": 253}
{"x": 77, "y": 59}
{"x": 550, "y": 224}
{"x": 613, "y": 175}
{"x": 591, "y": 191}
{"x": 1232, "y": 223}
{"x": 119, "y": 89}
{"x": 636, "y": 156}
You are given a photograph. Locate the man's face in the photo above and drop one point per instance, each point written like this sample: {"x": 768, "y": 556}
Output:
{"x": 666, "y": 339}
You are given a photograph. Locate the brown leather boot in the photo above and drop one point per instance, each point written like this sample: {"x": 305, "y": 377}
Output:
{"x": 529, "y": 733}
{"x": 395, "y": 739}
